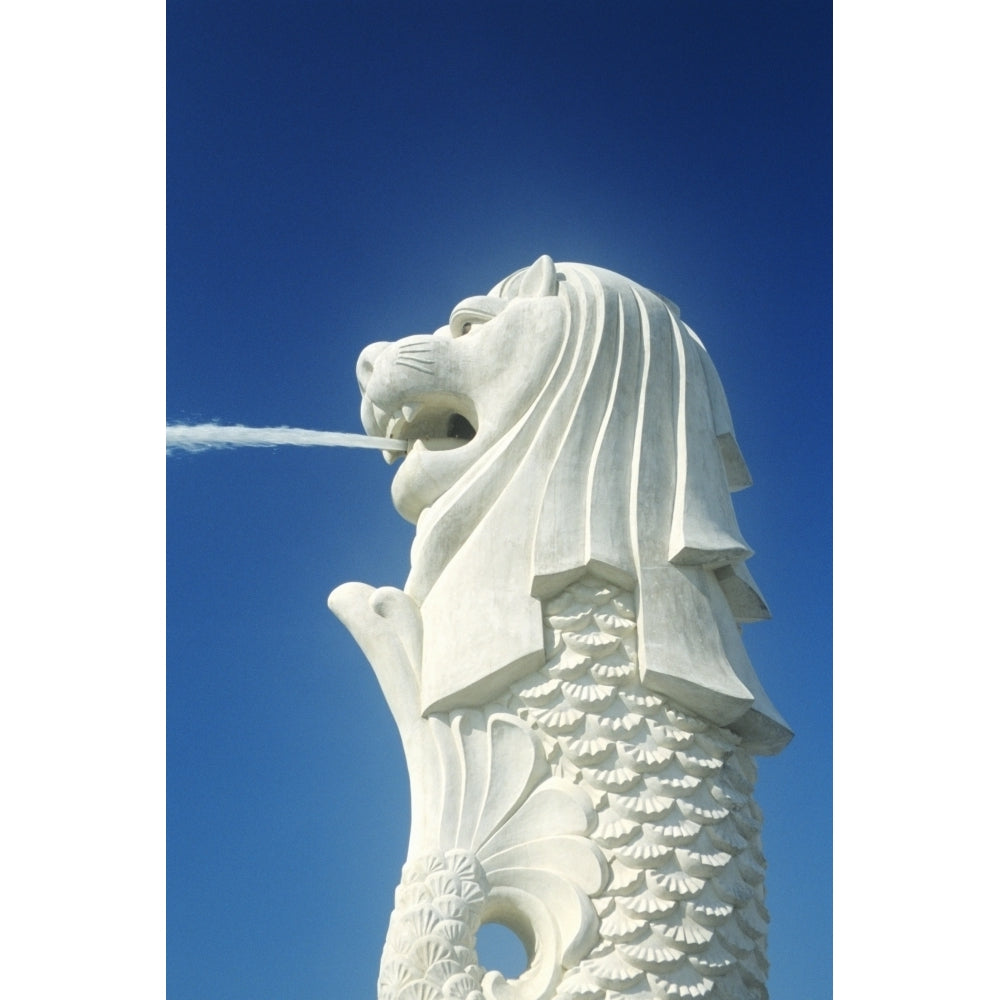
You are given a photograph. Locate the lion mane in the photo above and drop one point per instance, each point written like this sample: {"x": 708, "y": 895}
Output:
{"x": 620, "y": 465}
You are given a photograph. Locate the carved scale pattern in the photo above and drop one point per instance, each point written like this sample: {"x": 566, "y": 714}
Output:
{"x": 430, "y": 950}
{"x": 683, "y": 914}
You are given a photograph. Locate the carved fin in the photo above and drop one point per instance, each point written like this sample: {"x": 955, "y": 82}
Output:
{"x": 386, "y": 625}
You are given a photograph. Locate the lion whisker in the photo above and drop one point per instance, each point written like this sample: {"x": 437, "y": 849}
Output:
{"x": 417, "y": 365}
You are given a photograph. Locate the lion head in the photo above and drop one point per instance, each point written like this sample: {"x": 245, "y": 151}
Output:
{"x": 570, "y": 422}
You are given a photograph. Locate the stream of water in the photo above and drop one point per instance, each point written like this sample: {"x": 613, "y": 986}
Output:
{"x": 201, "y": 437}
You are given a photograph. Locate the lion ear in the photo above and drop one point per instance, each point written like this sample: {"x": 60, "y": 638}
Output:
{"x": 539, "y": 280}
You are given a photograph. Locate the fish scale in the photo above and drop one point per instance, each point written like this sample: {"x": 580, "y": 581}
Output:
{"x": 683, "y": 913}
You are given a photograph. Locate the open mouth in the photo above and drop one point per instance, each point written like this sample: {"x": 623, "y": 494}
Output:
{"x": 432, "y": 426}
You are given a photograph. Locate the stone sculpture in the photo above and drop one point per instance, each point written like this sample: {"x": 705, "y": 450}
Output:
{"x": 564, "y": 664}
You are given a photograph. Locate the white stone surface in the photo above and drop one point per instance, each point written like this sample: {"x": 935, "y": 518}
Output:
{"x": 564, "y": 663}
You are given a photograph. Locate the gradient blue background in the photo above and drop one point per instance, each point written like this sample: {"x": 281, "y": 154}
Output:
{"x": 343, "y": 173}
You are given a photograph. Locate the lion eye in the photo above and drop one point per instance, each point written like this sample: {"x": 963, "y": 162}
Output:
{"x": 473, "y": 312}
{"x": 461, "y": 325}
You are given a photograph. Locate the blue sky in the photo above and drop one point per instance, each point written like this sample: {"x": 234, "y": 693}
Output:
{"x": 344, "y": 173}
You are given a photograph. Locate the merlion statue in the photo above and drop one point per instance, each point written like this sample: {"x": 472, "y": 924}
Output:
{"x": 578, "y": 713}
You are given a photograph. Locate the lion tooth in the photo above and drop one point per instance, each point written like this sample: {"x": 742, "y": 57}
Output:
{"x": 410, "y": 410}
{"x": 391, "y": 456}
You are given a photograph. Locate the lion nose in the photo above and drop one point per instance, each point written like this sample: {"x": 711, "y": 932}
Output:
{"x": 366, "y": 362}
